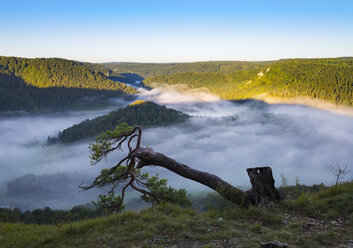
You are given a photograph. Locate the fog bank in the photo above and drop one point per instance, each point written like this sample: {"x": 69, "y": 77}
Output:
{"x": 24, "y": 153}
{"x": 227, "y": 137}
{"x": 222, "y": 137}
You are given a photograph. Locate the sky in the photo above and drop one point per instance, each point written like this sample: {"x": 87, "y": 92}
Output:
{"x": 175, "y": 31}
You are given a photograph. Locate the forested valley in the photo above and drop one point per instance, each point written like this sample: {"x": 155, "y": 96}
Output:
{"x": 32, "y": 84}
{"x": 51, "y": 197}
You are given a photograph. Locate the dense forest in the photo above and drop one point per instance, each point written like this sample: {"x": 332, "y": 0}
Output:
{"x": 15, "y": 94}
{"x": 324, "y": 79}
{"x": 40, "y": 84}
{"x": 147, "y": 70}
{"x": 36, "y": 84}
{"x": 145, "y": 114}
{"x": 49, "y": 216}
{"x": 225, "y": 85}
{"x": 54, "y": 72}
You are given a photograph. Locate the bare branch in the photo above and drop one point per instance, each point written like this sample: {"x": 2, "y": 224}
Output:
{"x": 338, "y": 173}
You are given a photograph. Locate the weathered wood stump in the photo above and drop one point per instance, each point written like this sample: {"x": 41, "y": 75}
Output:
{"x": 263, "y": 186}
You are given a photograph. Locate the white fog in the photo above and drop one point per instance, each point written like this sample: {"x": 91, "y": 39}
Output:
{"x": 222, "y": 137}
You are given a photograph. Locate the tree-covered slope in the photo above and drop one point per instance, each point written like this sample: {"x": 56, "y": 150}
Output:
{"x": 324, "y": 79}
{"x": 145, "y": 114}
{"x": 147, "y": 70}
{"x": 15, "y": 94}
{"x": 42, "y": 84}
{"x": 225, "y": 85}
{"x": 54, "y": 72}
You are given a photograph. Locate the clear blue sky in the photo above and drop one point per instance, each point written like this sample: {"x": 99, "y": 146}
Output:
{"x": 175, "y": 31}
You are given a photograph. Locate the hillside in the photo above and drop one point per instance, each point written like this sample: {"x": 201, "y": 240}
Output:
{"x": 32, "y": 84}
{"x": 54, "y": 72}
{"x": 147, "y": 70}
{"x": 15, "y": 94}
{"x": 325, "y": 79}
{"x": 145, "y": 114}
{"x": 320, "y": 219}
{"x": 37, "y": 84}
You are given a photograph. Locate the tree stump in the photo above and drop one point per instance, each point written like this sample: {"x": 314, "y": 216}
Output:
{"x": 263, "y": 186}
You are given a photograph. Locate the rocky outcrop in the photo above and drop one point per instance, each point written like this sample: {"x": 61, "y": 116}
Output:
{"x": 274, "y": 244}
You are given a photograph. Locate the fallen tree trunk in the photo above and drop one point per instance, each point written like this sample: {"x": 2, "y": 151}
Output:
{"x": 149, "y": 157}
{"x": 261, "y": 179}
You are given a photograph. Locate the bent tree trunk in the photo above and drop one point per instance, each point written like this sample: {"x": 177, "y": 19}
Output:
{"x": 261, "y": 179}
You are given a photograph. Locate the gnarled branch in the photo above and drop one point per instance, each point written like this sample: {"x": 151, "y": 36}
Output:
{"x": 263, "y": 189}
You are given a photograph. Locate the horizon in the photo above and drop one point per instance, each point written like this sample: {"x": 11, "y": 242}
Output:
{"x": 176, "y": 31}
{"x": 181, "y": 62}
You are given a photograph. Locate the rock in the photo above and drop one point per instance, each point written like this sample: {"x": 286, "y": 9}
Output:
{"x": 349, "y": 245}
{"x": 273, "y": 244}
{"x": 285, "y": 222}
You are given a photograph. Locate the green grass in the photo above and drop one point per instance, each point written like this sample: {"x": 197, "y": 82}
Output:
{"x": 330, "y": 202}
{"x": 321, "y": 219}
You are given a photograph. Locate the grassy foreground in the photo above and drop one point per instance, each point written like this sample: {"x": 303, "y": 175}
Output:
{"x": 321, "y": 219}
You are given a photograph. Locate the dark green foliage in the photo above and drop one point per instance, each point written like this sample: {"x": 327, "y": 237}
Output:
{"x": 109, "y": 202}
{"x": 153, "y": 189}
{"x": 54, "y": 72}
{"x": 164, "y": 193}
{"x": 49, "y": 216}
{"x": 39, "y": 84}
{"x": 158, "y": 187}
{"x": 15, "y": 94}
{"x": 103, "y": 144}
{"x": 146, "y": 115}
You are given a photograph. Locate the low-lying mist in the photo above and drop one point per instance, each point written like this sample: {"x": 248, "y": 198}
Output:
{"x": 227, "y": 137}
{"x": 222, "y": 137}
{"x": 24, "y": 153}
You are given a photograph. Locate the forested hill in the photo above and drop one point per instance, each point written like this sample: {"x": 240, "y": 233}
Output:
{"x": 54, "y": 72}
{"x": 324, "y": 79}
{"x": 147, "y": 70}
{"x": 145, "y": 114}
{"x": 41, "y": 84}
{"x": 15, "y": 94}
{"x": 34, "y": 84}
